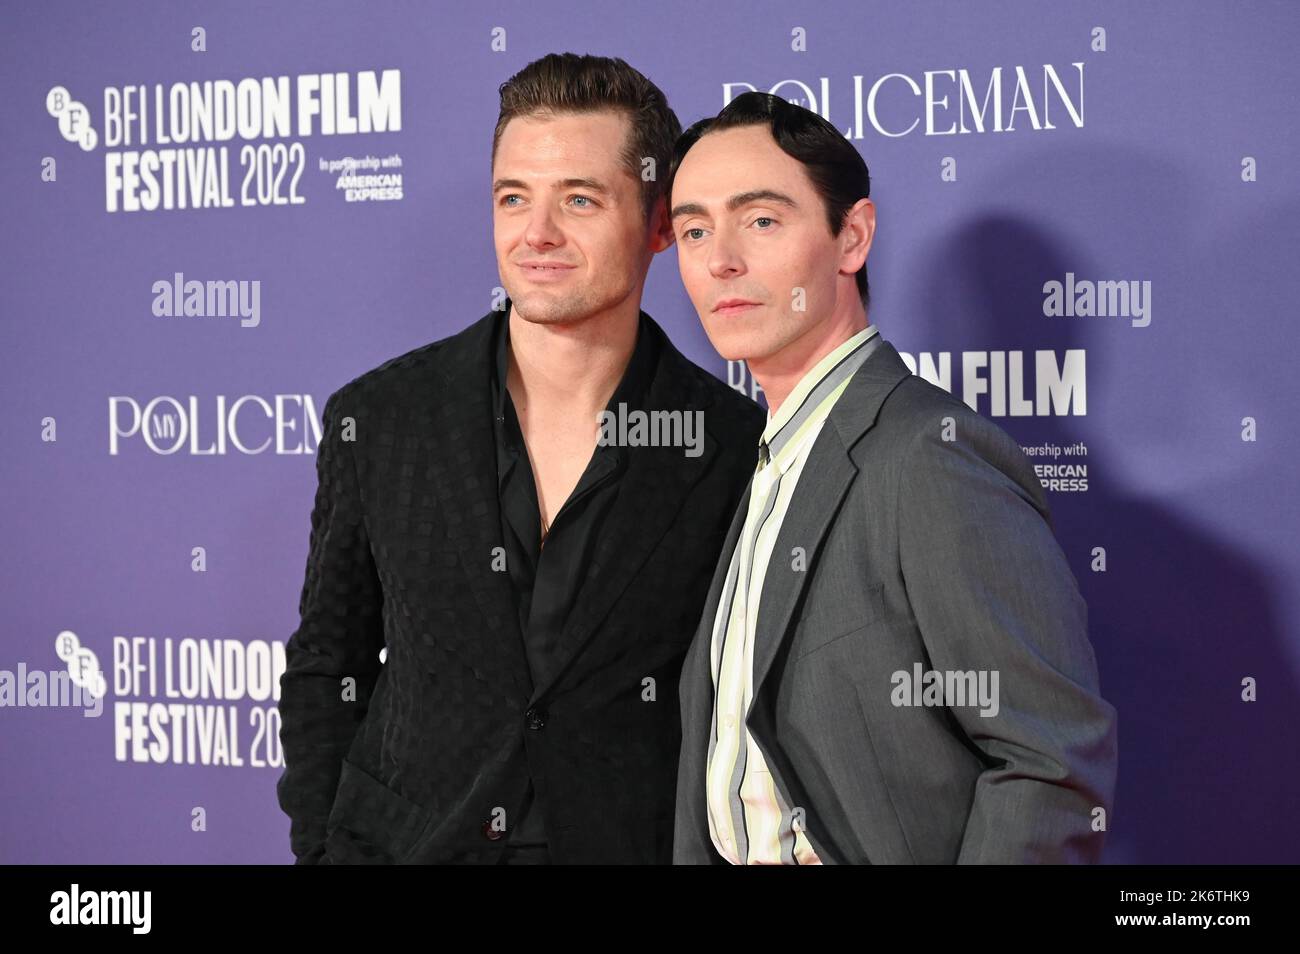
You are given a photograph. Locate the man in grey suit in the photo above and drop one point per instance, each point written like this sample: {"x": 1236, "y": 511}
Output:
{"x": 893, "y": 664}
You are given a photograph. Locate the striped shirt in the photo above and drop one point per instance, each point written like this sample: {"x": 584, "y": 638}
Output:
{"x": 750, "y": 821}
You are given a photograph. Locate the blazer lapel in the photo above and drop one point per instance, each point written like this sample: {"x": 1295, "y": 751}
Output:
{"x": 463, "y": 465}
{"x": 826, "y": 477}
{"x": 696, "y": 698}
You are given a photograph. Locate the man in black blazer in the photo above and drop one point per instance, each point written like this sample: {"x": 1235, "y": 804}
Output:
{"x": 531, "y": 568}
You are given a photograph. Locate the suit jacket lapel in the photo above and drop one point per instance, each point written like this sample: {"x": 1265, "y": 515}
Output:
{"x": 462, "y": 461}
{"x": 696, "y": 697}
{"x": 826, "y": 477}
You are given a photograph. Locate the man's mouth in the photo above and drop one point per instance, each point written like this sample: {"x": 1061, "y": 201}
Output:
{"x": 733, "y": 306}
{"x": 545, "y": 271}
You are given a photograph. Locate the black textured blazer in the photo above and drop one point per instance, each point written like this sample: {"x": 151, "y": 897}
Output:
{"x": 424, "y": 757}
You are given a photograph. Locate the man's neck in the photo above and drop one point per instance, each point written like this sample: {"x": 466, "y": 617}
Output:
{"x": 573, "y": 367}
{"x": 780, "y": 373}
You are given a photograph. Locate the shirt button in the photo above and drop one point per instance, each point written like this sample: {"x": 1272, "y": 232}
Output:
{"x": 535, "y": 718}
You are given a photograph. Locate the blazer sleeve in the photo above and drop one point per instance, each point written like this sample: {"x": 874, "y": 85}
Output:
{"x": 991, "y": 590}
{"x": 339, "y": 637}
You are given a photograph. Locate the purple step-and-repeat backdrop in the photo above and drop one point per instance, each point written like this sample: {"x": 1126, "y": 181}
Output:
{"x": 1087, "y": 230}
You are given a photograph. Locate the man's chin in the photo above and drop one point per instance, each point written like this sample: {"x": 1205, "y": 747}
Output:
{"x": 542, "y": 309}
{"x": 734, "y": 354}
{"x": 735, "y": 346}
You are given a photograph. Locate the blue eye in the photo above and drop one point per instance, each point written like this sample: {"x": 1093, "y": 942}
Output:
{"x": 763, "y": 218}
{"x": 507, "y": 199}
{"x": 689, "y": 231}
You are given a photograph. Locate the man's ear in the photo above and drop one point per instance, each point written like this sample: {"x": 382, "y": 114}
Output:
{"x": 856, "y": 235}
{"x": 661, "y": 227}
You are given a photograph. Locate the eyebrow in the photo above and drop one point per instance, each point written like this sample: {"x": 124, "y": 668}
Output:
{"x": 595, "y": 185}
{"x": 736, "y": 201}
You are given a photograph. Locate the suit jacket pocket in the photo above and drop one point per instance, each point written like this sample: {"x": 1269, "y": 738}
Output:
{"x": 372, "y": 813}
{"x": 827, "y": 621}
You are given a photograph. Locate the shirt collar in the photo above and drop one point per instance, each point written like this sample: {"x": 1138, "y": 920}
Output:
{"x": 823, "y": 377}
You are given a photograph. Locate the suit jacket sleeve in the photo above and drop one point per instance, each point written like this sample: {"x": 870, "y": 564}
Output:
{"x": 991, "y": 590}
{"x": 340, "y": 636}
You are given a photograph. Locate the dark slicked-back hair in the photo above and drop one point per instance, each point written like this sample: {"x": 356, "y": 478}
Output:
{"x": 561, "y": 83}
{"x": 836, "y": 169}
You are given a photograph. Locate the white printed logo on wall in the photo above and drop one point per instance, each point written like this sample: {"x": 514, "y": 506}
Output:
{"x": 73, "y": 117}
{"x": 172, "y": 146}
{"x": 82, "y": 663}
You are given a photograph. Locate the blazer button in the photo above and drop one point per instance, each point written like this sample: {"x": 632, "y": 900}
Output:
{"x": 535, "y": 718}
{"x": 491, "y": 833}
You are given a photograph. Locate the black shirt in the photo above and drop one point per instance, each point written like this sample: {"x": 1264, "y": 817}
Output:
{"x": 546, "y": 578}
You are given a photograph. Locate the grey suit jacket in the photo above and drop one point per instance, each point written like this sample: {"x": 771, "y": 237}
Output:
{"x": 921, "y": 554}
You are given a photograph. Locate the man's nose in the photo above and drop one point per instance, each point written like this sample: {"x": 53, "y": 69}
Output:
{"x": 724, "y": 258}
{"x": 543, "y": 231}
